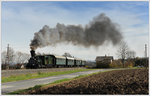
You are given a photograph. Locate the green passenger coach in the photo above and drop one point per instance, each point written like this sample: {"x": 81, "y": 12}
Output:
{"x": 50, "y": 60}
{"x": 60, "y": 61}
{"x": 78, "y": 62}
{"x": 70, "y": 61}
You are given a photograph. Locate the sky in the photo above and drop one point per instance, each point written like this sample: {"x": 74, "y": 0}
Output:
{"x": 21, "y": 19}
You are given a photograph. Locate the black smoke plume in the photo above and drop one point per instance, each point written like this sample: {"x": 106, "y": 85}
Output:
{"x": 99, "y": 30}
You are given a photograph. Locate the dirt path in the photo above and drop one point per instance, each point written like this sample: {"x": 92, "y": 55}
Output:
{"x": 131, "y": 81}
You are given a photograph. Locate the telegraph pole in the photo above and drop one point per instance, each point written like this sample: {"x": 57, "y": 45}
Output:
{"x": 7, "y": 65}
{"x": 146, "y": 65}
{"x": 145, "y": 50}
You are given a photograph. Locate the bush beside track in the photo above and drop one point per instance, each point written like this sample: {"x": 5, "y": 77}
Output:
{"x": 130, "y": 81}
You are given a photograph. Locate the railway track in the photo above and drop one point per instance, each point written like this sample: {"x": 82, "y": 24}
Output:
{"x": 6, "y": 73}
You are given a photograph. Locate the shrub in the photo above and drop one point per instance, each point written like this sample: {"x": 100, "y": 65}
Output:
{"x": 116, "y": 64}
{"x": 129, "y": 63}
{"x": 102, "y": 64}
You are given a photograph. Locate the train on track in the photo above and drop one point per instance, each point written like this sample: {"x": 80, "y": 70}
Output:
{"x": 49, "y": 60}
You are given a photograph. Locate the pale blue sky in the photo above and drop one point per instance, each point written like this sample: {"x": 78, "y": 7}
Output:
{"x": 20, "y": 20}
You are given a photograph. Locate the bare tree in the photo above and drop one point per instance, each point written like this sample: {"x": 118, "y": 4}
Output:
{"x": 67, "y": 55}
{"x": 122, "y": 51}
{"x": 14, "y": 57}
{"x": 8, "y": 57}
{"x": 131, "y": 54}
{"x": 21, "y": 57}
{"x": 3, "y": 57}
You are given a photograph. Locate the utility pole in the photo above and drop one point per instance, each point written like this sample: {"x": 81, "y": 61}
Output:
{"x": 145, "y": 50}
{"x": 146, "y": 63}
{"x": 7, "y": 64}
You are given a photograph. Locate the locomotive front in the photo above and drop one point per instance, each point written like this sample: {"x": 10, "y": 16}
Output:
{"x": 32, "y": 63}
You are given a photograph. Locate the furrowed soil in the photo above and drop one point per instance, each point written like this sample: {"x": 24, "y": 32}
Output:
{"x": 131, "y": 81}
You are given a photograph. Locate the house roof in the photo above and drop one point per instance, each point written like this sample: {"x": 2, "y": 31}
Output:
{"x": 99, "y": 58}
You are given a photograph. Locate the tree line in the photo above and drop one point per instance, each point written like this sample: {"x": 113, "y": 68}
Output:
{"x": 126, "y": 58}
{"x": 12, "y": 58}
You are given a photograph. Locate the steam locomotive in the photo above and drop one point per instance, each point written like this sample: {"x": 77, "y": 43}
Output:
{"x": 48, "y": 61}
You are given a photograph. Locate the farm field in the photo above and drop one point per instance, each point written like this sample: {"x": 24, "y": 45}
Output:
{"x": 130, "y": 81}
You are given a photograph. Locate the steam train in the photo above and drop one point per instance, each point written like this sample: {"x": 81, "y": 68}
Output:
{"x": 48, "y": 61}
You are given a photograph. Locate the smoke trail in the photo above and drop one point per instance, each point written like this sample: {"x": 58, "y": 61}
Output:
{"x": 99, "y": 30}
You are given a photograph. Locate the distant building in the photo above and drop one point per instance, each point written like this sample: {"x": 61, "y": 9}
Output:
{"x": 104, "y": 58}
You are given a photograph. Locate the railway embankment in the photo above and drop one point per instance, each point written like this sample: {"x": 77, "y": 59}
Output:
{"x": 7, "y": 73}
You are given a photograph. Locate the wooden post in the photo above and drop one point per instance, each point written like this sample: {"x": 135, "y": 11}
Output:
{"x": 7, "y": 64}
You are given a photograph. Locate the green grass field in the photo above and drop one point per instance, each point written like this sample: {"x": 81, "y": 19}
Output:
{"x": 39, "y": 75}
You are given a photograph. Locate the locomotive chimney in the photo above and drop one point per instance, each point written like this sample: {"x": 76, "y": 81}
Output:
{"x": 32, "y": 52}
